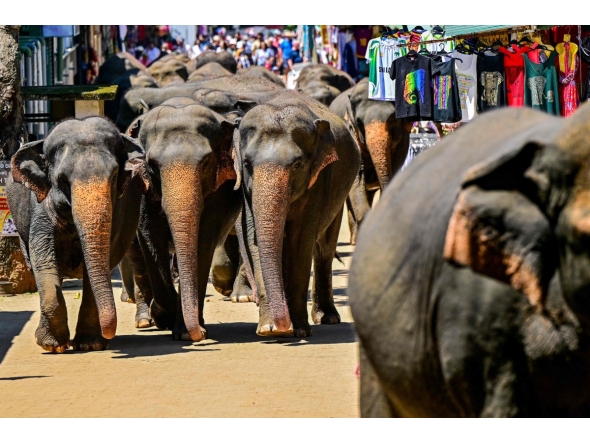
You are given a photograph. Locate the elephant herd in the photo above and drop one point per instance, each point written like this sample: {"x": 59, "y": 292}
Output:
{"x": 242, "y": 180}
{"x": 470, "y": 281}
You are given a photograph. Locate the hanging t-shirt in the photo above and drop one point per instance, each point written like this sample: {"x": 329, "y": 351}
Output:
{"x": 362, "y": 37}
{"x": 380, "y": 54}
{"x": 447, "y": 45}
{"x": 466, "y": 70}
{"x": 541, "y": 91}
{"x": 413, "y": 86}
{"x": 514, "y": 74}
{"x": 447, "y": 104}
{"x": 491, "y": 83}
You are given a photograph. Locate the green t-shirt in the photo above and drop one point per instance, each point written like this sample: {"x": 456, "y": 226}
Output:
{"x": 540, "y": 85}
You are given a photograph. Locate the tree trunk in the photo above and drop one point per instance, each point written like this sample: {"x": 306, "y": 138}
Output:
{"x": 13, "y": 131}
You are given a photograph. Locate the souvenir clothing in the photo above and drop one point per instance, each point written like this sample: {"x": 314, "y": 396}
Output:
{"x": 446, "y": 101}
{"x": 466, "y": 71}
{"x": 381, "y": 52}
{"x": 413, "y": 74}
{"x": 541, "y": 90}
{"x": 568, "y": 88}
{"x": 514, "y": 74}
{"x": 491, "y": 91}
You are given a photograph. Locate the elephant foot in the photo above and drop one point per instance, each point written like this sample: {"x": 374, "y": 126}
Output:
{"x": 241, "y": 298}
{"x": 328, "y": 316}
{"x": 163, "y": 319}
{"x": 126, "y": 297}
{"x": 270, "y": 329}
{"x": 89, "y": 342}
{"x": 144, "y": 323}
{"x": 181, "y": 334}
{"x": 49, "y": 342}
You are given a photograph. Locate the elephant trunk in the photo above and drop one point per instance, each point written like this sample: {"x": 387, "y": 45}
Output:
{"x": 92, "y": 209}
{"x": 182, "y": 201}
{"x": 378, "y": 142}
{"x": 271, "y": 191}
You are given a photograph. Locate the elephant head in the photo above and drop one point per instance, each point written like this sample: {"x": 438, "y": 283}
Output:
{"x": 280, "y": 152}
{"x": 381, "y": 136}
{"x": 188, "y": 151}
{"x": 525, "y": 211}
{"x": 78, "y": 172}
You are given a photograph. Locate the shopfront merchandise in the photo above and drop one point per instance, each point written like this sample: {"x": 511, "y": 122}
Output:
{"x": 541, "y": 91}
{"x": 446, "y": 101}
{"x": 381, "y": 52}
{"x": 466, "y": 70}
{"x": 514, "y": 74}
{"x": 491, "y": 82}
{"x": 413, "y": 74}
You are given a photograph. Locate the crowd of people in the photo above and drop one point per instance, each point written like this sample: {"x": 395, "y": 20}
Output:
{"x": 277, "y": 51}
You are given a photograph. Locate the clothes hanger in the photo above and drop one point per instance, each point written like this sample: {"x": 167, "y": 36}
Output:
{"x": 412, "y": 54}
{"x": 437, "y": 31}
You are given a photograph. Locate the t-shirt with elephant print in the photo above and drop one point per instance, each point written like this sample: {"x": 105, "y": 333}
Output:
{"x": 491, "y": 82}
{"x": 541, "y": 90}
{"x": 413, "y": 89}
{"x": 466, "y": 70}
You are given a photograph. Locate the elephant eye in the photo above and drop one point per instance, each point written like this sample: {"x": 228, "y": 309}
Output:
{"x": 297, "y": 165}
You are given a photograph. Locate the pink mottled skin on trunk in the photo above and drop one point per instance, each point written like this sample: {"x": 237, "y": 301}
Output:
{"x": 92, "y": 210}
{"x": 271, "y": 191}
{"x": 379, "y": 146}
{"x": 182, "y": 201}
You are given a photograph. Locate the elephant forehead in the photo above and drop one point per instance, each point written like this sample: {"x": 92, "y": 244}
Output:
{"x": 93, "y": 131}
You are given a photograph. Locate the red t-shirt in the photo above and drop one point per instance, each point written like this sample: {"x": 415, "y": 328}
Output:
{"x": 514, "y": 67}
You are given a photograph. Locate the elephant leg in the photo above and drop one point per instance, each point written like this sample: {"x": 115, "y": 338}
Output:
{"x": 128, "y": 290}
{"x": 52, "y": 334}
{"x": 225, "y": 265}
{"x": 88, "y": 333}
{"x": 359, "y": 203}
{"x": 140, "y": 278}
{"x": 322, "y": 299}
{"x": 242, "y": 292}
{"x": 154, "y": 235}
{"x": 374, "y": 402}
{"x": 352, "y": 223}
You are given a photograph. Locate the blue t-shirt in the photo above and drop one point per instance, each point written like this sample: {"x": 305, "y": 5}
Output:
{"x": 295, "y": 56}
{"x": 286, "y": 46}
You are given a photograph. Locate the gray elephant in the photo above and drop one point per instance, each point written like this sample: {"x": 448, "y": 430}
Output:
{"x": 295, "y": 162}
{"x": 168, "y": 72}
{"x": 208, "y": 71}
{"x": 469, "y": 283}
{"x": 384, "y": 142}
{"x": 326, "y": 74}
{"x": 190, "y": 211}
{"x": 224, "y": 58}
{"x": 75, "y": 202}
{"x": 261, "y": 72}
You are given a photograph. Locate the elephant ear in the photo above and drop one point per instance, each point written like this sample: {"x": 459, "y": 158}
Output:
{"x": 326, "y": 150}
{"x": 350, "y": 119}
{"x": 133, "y": 130}
{"x": 132, "y": 163}
{"x": 28, "y": 167}
{"x": 497, "y": 228}
{"x": 225, "y": 163}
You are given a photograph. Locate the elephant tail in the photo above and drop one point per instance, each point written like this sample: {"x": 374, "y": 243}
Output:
{"x": 338, "y": 257}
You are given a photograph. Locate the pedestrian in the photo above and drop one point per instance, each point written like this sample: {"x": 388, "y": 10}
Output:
{"x": 285, "y": 47}
{"x": 151, "y": 53}
{"x": 262, "y": 54}
{"x": 223, "y": 46}
{"x": 245, "y": 59}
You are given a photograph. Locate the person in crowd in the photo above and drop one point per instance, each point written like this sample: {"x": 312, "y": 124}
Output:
{"x": 285, "y": 47}
{"x": 202, "y": 42}
{"x": 216, "y": 42}
{"x": 262, "y": 54}
{"x": 151, "y": 53}
{"x": 245, "y": 59}
{"x": 223, "y": 46}
{"x": 196, "y": 49}
{"x": 295, "y": 56}
{"x": 232, "y": 46}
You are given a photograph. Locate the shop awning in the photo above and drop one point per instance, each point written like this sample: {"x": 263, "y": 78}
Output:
{"x": 458, "y": 30}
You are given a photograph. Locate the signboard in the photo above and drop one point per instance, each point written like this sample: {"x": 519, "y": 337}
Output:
{"x": 6, "y": 222}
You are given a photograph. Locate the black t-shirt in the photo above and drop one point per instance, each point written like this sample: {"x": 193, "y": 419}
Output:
{"x": 447, "y": 103}
{"x": 491, "y": 82}
{"x": 413, "y": 92}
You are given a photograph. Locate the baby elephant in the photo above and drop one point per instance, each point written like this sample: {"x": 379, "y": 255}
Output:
{"x": 75, "y": 201}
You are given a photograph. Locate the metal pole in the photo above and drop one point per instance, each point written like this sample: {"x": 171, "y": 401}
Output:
{"x": 59, "y": 80}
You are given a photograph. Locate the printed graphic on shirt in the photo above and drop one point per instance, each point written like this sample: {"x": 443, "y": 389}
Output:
{"x": 490, "y": 82}
{"x": 465, "y": 82}
{"x": 537, "y": 87}
{"x": 442, "y": 91}
{"x": 414, "y": 82}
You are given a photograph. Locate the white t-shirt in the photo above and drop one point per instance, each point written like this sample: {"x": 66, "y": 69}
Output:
{"x": 467, "y": 80}
{"x": 380, "y": 55}
{"x": 153, "y": 54}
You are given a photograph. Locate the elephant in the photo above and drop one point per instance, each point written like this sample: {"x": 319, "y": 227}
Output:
{"x": 138, "y": 101}
{"x": 321, "y": 92}
{"x": 208, "y": 71}
{"x": 469, "y": 282}
{"x": 325, "y": 74}
{"x": 115, "y": 66}
{"x": 224, "y": 58}
{"x": 295, "y": 162}
{"x": 131, "y": 79}
{"x": 75, "y": 201}
{"x": 191, "y": 210}
{"x": 384, "y": 142}
{"x": 261, "y": 72}
{"x": 168, "y": 72}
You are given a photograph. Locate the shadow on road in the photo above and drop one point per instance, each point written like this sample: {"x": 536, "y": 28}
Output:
{"x": 11, "y": 324}
{"x": 143, "y": 345}
{"x": 17, "y": 378}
